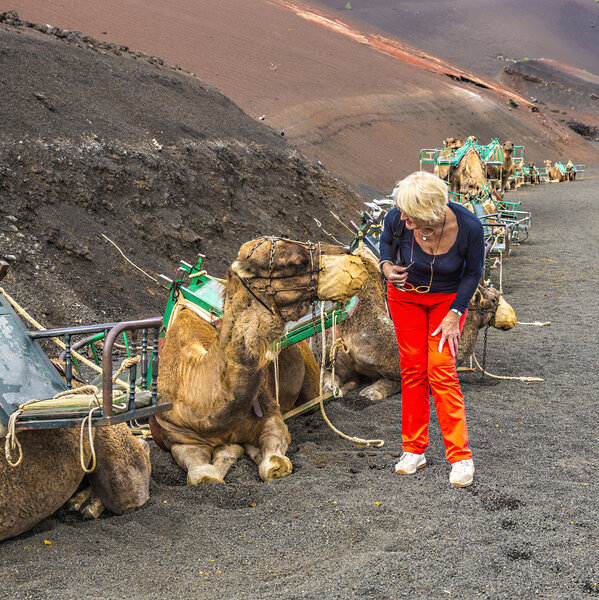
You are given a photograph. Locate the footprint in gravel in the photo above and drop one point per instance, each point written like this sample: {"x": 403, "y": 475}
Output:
{"x": 518, "y": 553}
{"x": 497, "y": 502}
{"x": 508, "y": 524}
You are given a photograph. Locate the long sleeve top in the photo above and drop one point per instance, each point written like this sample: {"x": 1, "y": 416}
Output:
{"x": 457, "y": 270}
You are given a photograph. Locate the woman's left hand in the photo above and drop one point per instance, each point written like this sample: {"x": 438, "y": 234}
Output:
{"x": 449, "y": 328}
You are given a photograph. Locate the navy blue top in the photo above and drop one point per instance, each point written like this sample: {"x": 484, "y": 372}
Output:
{"x": 457, "y": 270}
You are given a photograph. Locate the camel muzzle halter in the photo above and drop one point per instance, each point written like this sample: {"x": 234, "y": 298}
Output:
{"x": 269, "y": 289}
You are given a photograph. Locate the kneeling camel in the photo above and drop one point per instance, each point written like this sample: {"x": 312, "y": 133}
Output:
{"x": 220, "y": 379}
{"x": 50, "y": 473}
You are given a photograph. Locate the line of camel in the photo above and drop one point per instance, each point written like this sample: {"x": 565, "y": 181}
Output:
{"x": 221, "y": 382}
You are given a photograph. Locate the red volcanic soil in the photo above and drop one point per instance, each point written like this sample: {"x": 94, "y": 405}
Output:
{"x": 345, "y": 94}
{"x": 482, "y": 34}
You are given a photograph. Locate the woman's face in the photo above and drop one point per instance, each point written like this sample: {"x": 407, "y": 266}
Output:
{"x": 412, "y": 223}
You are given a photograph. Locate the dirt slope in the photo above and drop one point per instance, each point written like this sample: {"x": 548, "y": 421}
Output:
{"x": 96, "y": 140}
{"x": 481, "y": 34}
{"x": 489, "y": 37}
{"x": 362, "y": 111}
{"x": 561, "y": 89}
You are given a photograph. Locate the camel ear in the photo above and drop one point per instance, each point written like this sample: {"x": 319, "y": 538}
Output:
{"x": 242, "y": 269}
{"x": 477, "y": 297}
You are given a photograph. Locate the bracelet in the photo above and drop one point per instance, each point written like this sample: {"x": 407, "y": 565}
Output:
{"x": 456, "y": 311}
{"x": 382, "y": 262}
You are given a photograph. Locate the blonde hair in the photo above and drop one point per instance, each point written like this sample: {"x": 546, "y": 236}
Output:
{"x": 422, "y": 196}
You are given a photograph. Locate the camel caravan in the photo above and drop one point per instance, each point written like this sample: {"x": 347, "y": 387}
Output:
{"x": 220, "y": 373}
{"x": 479, "y": 176}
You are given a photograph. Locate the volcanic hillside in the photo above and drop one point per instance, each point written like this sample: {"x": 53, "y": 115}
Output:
{"x": 343, "y": 92}
{"x": 546, "y": 50}
{"x": 97, "y": 140}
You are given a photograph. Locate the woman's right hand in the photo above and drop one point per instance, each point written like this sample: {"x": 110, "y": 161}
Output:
{"x": 395, "y": 273}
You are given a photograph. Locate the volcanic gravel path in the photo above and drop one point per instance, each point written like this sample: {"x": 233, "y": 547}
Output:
{"x": 344, "y": 525}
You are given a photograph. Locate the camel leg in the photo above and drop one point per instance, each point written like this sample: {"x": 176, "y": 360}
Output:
{"x": 93, "y": 509}
{"x": 254, "y": 453}
{"x": 196, "y": 460}
{"x": 79, "y": 499}
{"x": 224, "y": 457}
{"x": 273, "y": 442}
{"x": 382, "y": 388}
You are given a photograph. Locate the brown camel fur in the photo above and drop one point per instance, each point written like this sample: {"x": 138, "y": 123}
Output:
{"x": 553, "y": 173}
{"x": 369, "y": 335}
{"x": 470, "y": 167}
{"x": 533, "y": 176}
{"x": 450, "y": 145}
{"x": 220, "y": 379}
{"x": 502, "y": 174}
{"x": 50, "y": 474}
{"x": 487, "y": 307}
{"x": 518, "y": 175}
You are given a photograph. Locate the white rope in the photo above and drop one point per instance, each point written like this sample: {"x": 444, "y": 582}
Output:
{"x": 325, "y": 231}
{"x": 88, "y": 418}
{"x": 198, "y": 274}
{"x": 529, "y": 379}
{"x": 537, "y": 323}
{"x": 342, "y": 223}
{"x": 377, "y": 443}
{"x": 130, "y": 262}
{"x": 11, "y": 442}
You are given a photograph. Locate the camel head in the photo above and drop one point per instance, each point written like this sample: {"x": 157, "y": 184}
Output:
{"x": 472, "y": 139}
{"x": 548, "y": 164}
{"x": 508, "y": 148}
{"x": 287, "y": 276}
{"x": 487, "y": 307}
{"x": 453, "y": 143}
{"x": 471, "y": 188}
{"x": 531, "y": 165}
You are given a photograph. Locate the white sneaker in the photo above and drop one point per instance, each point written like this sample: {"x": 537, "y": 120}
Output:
{"x": 462, "y": 473}
{"x": 409, "y": 463}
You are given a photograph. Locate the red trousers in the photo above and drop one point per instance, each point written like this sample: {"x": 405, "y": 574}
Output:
{"x": 423, "y": 368}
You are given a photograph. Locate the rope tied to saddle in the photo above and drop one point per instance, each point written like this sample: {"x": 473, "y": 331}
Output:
{"x": 12, "y": 444}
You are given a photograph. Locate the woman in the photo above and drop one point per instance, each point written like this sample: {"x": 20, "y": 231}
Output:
{"x": 432, "y": 255}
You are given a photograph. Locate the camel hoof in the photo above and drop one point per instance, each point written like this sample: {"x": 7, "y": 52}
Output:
{"x": 93, "y": 509}
{"x": 203, "y": 476}
{"x": 383, "y": 388}
{"x": 275, "y": 468}
{"x": 79, "y": 499}
{"x": 372, "y": 393}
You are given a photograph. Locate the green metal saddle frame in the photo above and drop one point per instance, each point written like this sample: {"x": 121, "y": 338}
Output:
{"x": 27, "y": 374}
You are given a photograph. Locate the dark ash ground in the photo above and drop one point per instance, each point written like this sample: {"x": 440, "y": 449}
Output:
{"x": 344, "y": 525}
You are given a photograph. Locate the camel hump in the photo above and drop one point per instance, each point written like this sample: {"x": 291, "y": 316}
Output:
{"x": 189, "y": 325}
